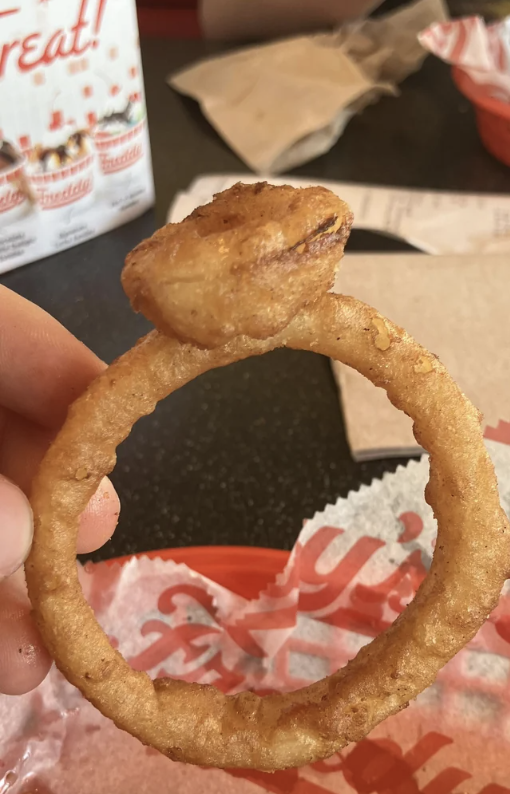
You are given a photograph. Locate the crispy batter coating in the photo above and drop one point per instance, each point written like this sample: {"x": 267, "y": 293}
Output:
{"x": 198, "y": 724}
{"x": 250, "y": 260}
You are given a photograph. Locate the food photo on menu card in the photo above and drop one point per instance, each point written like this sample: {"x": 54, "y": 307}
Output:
{"x": 352, "y": 634}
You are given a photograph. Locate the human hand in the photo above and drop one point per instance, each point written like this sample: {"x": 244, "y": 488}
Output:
{"x": 43, "y": 369}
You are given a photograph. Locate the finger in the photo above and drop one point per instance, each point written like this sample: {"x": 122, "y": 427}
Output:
{"x": 23, "y": 446}
{"x": 43, "y": 368}
{"x": 24, "y": 662}
{"x": 16, "y": 527}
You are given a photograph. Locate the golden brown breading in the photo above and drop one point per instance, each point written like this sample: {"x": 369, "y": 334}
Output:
{"x": 198, "y": 724}
{"x": 251, "y": 259}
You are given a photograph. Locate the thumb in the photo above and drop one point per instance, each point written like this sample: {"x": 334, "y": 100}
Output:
{"x": 16, "y": 527}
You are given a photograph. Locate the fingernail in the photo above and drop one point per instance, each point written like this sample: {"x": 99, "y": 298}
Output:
{"x": 16, "y": 527}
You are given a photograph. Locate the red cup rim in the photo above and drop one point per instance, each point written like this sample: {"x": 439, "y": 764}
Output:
{"x": 471, "y": 90}
{"x": 65, "y": 171}
{"x": 101, "y": 136}
{"x": 16, "y": 169}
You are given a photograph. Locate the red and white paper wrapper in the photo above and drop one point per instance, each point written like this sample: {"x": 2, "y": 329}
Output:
{"x": 353, "y": 569}
{"x": 482, "y": 51}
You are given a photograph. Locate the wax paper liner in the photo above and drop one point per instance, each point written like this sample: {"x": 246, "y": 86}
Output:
{"x": 480, "y": 50}
{"x": 353, "y": 569}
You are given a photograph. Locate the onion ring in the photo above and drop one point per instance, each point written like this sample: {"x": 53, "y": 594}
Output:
{"x": 242, "y": 265}
{"x": 197, "y": 723}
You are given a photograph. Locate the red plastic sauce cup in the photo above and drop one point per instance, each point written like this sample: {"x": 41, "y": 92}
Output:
{"x": 492, "y": 115}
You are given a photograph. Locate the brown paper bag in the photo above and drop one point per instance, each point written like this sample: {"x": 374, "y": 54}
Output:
{"x": 279, "y": 105}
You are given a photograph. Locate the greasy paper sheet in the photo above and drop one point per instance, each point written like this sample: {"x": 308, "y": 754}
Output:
{"x": 278, "y": 105}
{"x": 457, "y": 307}
{"x": 354, "y": 569}
{"x": 270, "y": 102}
{"x": 435, "y": 222}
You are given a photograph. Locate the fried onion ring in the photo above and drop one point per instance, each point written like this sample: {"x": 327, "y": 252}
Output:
{"x": 243, "y": 265}
{"x": 197, "y": 723}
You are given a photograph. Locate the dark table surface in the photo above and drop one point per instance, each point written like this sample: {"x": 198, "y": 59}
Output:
{"x": 242, "y": 455}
